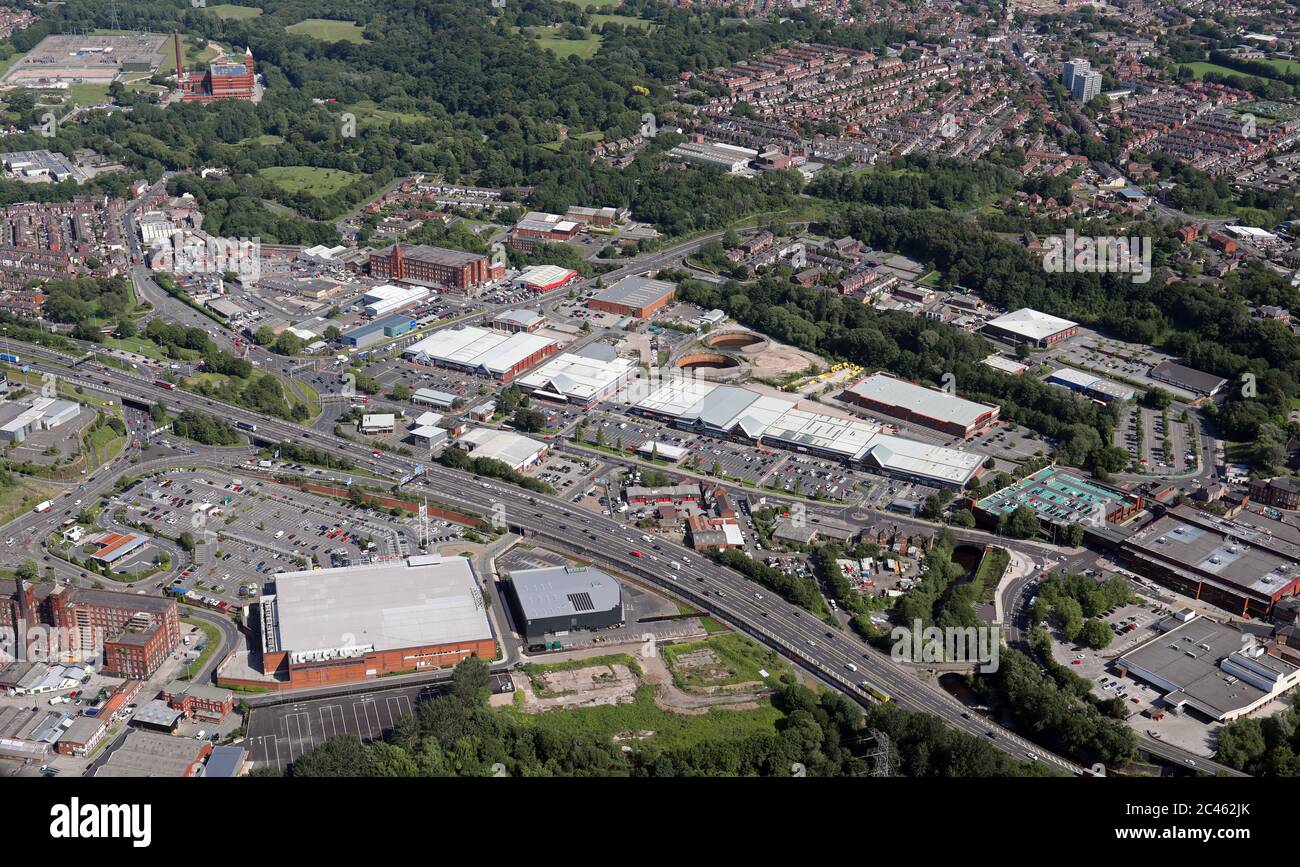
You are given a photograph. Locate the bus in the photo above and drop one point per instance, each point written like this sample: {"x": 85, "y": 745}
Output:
{"x": 248, "y": 426}
{"x": 162, "y": 383}
{"x": 874, "y": 691}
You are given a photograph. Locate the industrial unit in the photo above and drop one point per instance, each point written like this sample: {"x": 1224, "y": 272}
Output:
{"x": 385, "y": 299}
{"x": 1216, "y": 669}
{"x": 393, "y": 325}
{"x": 544, "y": 278}
{"x": 579, "y": 377}
{"x": 729, "y": 411}
{"x": 1089, "y": 385}
{"x": 1188, "y": 379}
{"x": 1244, "y": 568}
{"x": 349, "y": 624}
{"x": 43, "y": 413}
{"x": 633, "y": 296}
{"x": 1031, "y": 327}
{"x": 478, "y": 350}
{"x": 916, "y": 404}
{"x": 561, "y": 599}
{"x": 514, "y": 450}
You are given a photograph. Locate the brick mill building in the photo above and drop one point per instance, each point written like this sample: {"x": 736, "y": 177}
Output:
{"x": 420, "y": 263}
{"x": 228, "y": 77}
{"x": 138, "y": 632}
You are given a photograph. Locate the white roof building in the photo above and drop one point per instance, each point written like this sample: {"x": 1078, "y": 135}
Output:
{"x": 515, "y": 450}
{"x": 1031, "y": 325}
{"x": 666, "y": 451}
{"x": 415, "y": 602}
{"x": 579, "y": 379}
{"x": 727, "y": 410}
{"x": 539, "y": 278}
{"x": 382, "y": 421}
{"x": 1004, "y": 364}
{"x": 478, "y": 350}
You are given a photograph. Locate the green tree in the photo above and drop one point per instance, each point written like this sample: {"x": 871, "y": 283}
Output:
{"x": 1096, "y": 634}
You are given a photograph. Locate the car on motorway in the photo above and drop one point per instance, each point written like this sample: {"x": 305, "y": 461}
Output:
{"x": 636, "y": 554}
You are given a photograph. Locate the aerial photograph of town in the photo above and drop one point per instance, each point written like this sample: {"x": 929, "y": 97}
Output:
{"x": 741, "y": 389}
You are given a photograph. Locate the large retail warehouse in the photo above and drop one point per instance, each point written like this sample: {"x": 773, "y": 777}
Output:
{"x": 732, "y": 412}
{"x": 343, "y": 625}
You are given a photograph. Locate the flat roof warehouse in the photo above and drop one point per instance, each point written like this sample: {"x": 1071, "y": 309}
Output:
{"x": 731, "y": 411}
{"x": 479, "y": 350}
{"x": 339, "y": 613}
{"x": 926, "y": 406}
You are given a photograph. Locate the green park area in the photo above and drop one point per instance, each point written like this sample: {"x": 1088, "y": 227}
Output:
{"x": 231, "y": 11}
{"x": 308, "y": 179}
{"x": 328, "y": 30}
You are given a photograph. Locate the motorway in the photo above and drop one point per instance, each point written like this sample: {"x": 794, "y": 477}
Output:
{"x": 820, "y": 649}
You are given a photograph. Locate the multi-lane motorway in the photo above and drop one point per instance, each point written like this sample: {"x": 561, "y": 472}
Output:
{"x": 820, "y": 649}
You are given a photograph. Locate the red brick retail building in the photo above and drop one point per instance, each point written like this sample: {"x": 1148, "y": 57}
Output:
{"x": 332, "y": 626}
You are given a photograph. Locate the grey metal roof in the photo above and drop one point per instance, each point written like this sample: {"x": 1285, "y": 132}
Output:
{"x": 225, "y": 761}
{"x": 1189, "y": 378}
{"x": 635, "y": 291}
{"x": 928, "y": 402}
{"x": 1204, "y": 661}
{"x": 724, "y": 404}
{"x": 431, "y": 600}
{"x": 597, "y": 352}
{"x": 563, "y": 591}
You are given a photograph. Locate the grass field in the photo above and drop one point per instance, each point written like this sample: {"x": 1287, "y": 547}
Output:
{"x": 328, "y": 30}
{"x": 214, "y": 379}
{"x": 670, "y": 730}
{"x": 20, "y": 498}
{"x": 1200, "y": 67}
{"x": 309, "y": 180}
{"x": 102, "y": 446}
{"x": 584, "y": 48}
{"x": 1288, "y": 67}
{"x": 369, "y": 112}
{"x": 230, "y": 11}
{"x": 87, "y": 94}
{"x": 626, "y": 20}
{"x": 739, "y": 657}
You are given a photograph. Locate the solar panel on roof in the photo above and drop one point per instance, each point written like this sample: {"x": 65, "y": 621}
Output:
{"x": 581, "y": 601}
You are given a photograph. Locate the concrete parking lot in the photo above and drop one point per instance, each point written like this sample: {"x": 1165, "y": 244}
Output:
{"x": 280, "y": 734}
{"x": 255, "y": 529}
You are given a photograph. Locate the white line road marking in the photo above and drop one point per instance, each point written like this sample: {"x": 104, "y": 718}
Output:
{"x": 335, "y": 714}
{"x": 298, "y": 720}
{"x": 373, "y": 725}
